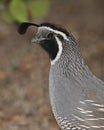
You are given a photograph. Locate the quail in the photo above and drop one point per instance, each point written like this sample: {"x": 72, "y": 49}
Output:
{"x": 76, "y": 95}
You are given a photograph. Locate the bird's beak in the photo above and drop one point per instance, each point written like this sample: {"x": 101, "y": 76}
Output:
{"x": 37, "y": 39}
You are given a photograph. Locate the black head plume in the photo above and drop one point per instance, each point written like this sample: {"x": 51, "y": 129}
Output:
{"x": 23, "y": 27}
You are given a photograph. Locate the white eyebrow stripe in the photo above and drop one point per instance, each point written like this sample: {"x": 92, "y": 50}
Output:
{"x": 55, "y": 31}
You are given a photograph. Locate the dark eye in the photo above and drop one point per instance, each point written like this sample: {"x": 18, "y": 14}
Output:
{"x": 50, "y": 36}
{"x": 60, "y": 37}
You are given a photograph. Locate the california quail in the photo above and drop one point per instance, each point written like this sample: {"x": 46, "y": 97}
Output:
{"x": 77, "y": 96}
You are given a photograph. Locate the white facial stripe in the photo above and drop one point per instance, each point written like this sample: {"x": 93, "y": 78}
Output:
{"x": 55, "y": 31}
{"x": 59, "y": 52}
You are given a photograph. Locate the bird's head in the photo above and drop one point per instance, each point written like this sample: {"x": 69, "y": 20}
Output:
{"x": 51, "y": 38}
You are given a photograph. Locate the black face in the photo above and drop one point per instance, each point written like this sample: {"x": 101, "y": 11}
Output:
{"x": 50, "y": 45}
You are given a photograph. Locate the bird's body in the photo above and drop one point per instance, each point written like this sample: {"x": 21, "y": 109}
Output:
{"x": 80, "y": 102}
{"x": 77, "y": 96}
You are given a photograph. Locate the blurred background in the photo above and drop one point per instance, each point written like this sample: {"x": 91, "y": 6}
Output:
{"x": 24, "y": 67}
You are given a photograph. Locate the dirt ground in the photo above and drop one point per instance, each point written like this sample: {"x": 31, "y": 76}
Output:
{"x": 24, "y": 67}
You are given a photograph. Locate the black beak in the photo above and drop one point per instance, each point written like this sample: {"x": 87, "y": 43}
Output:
{"x": 23, "y": 27}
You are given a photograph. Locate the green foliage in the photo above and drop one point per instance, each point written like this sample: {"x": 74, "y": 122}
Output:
{"x": 18, "y": 10}
{"x": 38, "y": 8}
{"x": 23, "y": 10}
{"x": 1, "y": 2}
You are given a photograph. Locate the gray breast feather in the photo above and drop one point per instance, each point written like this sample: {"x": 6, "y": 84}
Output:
{"x": 76, "y": 103}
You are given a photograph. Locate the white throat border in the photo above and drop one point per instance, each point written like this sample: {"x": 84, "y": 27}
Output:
{"x": 59, "y": 52}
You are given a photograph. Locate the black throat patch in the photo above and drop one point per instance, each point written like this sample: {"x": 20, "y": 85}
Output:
{"x": 51, "y": 47}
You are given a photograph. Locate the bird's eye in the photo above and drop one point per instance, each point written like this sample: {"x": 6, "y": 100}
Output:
{"x": 50, "y": 36}
{"x": 60, "y": 37}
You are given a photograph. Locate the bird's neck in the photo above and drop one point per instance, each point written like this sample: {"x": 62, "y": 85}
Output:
{"x": 71, "y": 63}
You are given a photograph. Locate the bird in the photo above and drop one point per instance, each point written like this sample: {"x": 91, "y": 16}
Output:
{"x": 76, "y": 94}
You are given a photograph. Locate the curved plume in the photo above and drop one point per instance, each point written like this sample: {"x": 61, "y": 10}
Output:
{"x": 23, "y": 27}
